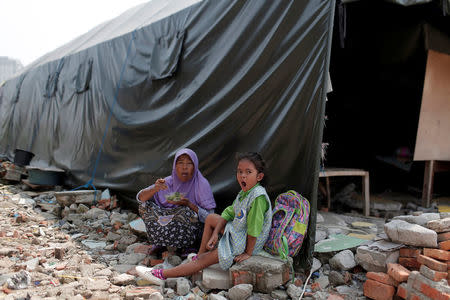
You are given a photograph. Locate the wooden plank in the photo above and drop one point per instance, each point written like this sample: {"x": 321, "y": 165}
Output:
{"x": 342, "y": 172}
{"x": 432, "y": 142}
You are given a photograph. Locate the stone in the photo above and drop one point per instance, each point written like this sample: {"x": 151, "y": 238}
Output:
{"x": 421, "y": 219}
{"x": 293, "y": 291}
{"x": 103, "y": 272}
{"x": 213, "y": 277}
{"x": 19, "y": 280}
{"x": 92, "y": 244}
{"x": 240, "y": 291}
{"x": 343, "y": 260}
{"x": 131, "y": 259}
{"x": 183, "y": 286}
{"x": 123, "y": 279}
{"x": 138, "y": 227}
{"x": 320, "y": 235}
{"x": 264, "y": 273}
{"x": 143, "y": 292}
{"x": 410, "y": 234}
{"x": 335, "y": 278}
{"x": 373, "y": 260}
{"x": 323, "y": 281}
{"x": 97, "y": 285}
{"x": 111, "y": 236}
{"x": 217, "y": 297}
{"x": 441, "y": 225}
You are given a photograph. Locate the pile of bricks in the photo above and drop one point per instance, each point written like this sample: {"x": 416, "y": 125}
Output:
{"x": 420, "y": 274}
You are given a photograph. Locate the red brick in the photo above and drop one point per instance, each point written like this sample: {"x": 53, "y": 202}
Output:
{"x": 409, "y": 263}
{"x": 432, "y": 263}
{"x": 298, "y": 282}
{"x": 445, "y": 236}
{"x": 402, "y": 291}
{"x": 432, "y": 274}
{"x": 415, "y": 295}
{"x": 433, "y": 293}
{"x": 381, "y": 277}
{"x": 315, "y": 287}
{"x": 436, "y": 253}
{"x": 444, "y": 245}
{"x": 410, "y": 252}
{"x": 241, "y": 277}
{"x": 377, "y": 290}
{"x": 59, "y": 253}
{"x": 427, "y": 287}
{"x": 398, "y": 272}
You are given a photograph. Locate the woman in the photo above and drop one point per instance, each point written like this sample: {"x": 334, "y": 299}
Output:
{"x": 177, "y": 224}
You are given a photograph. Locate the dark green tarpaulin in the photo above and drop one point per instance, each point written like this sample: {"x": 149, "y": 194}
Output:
{"x": 218, "y": 77}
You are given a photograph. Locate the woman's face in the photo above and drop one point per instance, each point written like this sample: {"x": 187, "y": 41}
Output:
{"x": 184, "y": 168}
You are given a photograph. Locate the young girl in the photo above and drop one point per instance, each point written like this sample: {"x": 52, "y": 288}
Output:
{"x": 244, "y": 225}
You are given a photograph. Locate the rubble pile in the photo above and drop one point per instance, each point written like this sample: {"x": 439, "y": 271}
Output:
{"x": 83, "y": 245}
{"x": 417, "y": 270}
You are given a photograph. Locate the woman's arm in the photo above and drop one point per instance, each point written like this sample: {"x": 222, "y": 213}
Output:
{"x": 146, "y": 194}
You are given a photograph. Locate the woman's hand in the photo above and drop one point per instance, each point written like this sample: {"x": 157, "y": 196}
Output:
{"x": 183, "y": 202}
{"x": 212, "y": 241}
{"x": 241, "y": 257}
{"x": 160, "y": 184}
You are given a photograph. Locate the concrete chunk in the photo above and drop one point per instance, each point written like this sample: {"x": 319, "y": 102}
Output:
{"x": 343, "y": 261}
{"x": 410, "y": 234}
{"x": 373, "y": 260}
{"x": 442, "y": 225}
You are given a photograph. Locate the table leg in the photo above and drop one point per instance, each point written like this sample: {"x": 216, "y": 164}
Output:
{"x": 327, "y": 180}
{"x": 427, "y": 191}
{"x": 366, "y": 192}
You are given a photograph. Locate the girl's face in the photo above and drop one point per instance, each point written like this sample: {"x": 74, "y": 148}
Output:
{"x": 247, "y": 175}
{"x": 184, "y": 168}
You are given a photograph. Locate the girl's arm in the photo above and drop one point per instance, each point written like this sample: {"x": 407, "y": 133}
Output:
{"x": 215, "y": 234}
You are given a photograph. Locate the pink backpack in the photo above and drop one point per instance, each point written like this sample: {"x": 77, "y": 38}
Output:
{"x": 289, "y": 224}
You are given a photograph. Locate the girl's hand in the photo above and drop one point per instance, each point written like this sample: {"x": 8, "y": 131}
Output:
{"x": 241, "y": 257}
{"x": 212, "y": 241}
{"x": 160, "y": 184}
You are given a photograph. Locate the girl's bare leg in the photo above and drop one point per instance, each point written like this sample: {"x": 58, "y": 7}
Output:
{"x": 210, "y": 223}
{"x": 205, "y": 260}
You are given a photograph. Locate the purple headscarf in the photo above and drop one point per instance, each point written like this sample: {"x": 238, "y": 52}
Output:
{"x": 197, "y": 190}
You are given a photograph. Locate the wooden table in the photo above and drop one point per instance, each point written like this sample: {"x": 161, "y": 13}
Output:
{"x": 330, "y": 172}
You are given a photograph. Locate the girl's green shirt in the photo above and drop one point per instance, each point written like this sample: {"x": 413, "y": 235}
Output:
{"x": 255, "y": 217}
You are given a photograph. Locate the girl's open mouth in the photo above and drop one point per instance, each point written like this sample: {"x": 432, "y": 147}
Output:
{"x": 243, "y": 183}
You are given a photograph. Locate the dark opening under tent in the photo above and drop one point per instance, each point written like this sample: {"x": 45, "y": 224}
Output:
{"x": 115, "y": 104}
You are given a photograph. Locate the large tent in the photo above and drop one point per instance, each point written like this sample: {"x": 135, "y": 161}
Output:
{"x": 113, "y": 106}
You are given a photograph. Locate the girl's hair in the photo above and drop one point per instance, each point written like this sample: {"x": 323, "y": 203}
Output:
{"x": 257, "y": 160}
